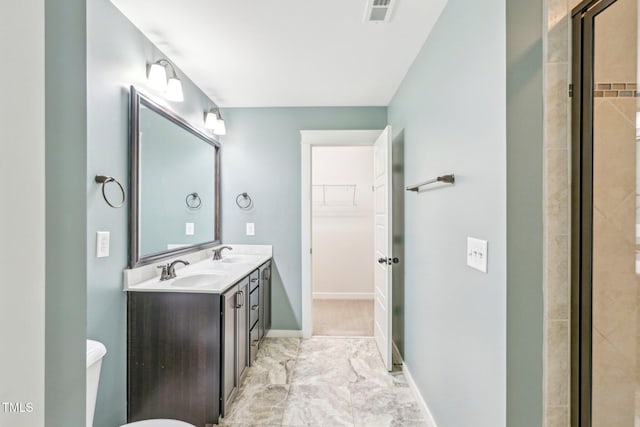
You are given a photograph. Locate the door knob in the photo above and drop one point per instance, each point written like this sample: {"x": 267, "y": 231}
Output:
{"x": 395, "y": 260}
{"x": 382, "y": 260}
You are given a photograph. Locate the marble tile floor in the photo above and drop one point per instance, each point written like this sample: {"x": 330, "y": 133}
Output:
{"x": 322, "y": 382}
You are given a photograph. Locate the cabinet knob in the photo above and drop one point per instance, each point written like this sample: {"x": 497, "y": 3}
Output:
{"x": 254, "y": 280}
{"x": 254, "y": 307}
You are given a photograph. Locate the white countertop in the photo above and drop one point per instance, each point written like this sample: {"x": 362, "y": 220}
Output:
{"x": 205, "y": 275}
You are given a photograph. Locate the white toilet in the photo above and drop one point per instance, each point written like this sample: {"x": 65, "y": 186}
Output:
{"x": 95, "y": 353}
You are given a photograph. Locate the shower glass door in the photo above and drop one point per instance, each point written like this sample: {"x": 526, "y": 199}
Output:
{"x": 606, "y": 164}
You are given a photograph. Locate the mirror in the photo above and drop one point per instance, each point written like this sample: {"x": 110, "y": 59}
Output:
{"x": 175, "y": 184}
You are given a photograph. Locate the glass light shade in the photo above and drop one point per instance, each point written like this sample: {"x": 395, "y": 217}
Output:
{"x": 157, "y": 77}
{"x": 211, "y": 120}
{"x": 220, "y": 128}
{"x": 174, "y": 90}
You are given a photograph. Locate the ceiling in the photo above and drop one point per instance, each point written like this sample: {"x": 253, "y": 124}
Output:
{"x": 287, "y": 53}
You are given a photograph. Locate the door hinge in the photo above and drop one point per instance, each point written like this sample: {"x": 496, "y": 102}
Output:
{"x": 570, "y": 90}
{"x": 310, "y": 250}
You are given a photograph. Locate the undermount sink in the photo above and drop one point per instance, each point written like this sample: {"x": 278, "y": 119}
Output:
{"x": 234, "y": 260}
{"x": 196, "y": 280}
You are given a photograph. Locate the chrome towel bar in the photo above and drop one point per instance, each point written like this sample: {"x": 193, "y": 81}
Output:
{"x": 448, "y": 179}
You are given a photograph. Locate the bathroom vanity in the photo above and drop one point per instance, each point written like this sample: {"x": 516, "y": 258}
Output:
{"x": 192, "y": 331}
{"x": 190, "y": 339}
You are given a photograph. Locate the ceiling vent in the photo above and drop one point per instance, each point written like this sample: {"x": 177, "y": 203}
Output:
{"x": 379, "y": 10}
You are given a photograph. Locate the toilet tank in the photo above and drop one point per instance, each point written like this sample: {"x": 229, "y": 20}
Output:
{"x": 95, "y": 352}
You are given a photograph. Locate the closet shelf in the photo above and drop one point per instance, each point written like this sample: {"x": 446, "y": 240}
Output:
{"x": 335, "y": 194}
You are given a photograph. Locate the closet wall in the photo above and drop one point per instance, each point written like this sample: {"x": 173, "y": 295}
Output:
{"x": 342, "y": 222}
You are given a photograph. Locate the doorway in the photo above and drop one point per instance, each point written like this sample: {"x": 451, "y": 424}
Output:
{"x": 342, "y": 227}
{"x": 382, "y": 258}
{"x": 605, "y": 216}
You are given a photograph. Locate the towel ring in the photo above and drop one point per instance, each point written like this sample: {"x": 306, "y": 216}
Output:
{"x": 104, "y": 180}
{"x": 193, "y": 201}
{"x": 244, "y": 201}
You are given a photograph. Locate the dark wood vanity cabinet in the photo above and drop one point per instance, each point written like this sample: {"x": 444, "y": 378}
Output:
{"x": 188, "y": 352}
{"x": 174, "y": 357}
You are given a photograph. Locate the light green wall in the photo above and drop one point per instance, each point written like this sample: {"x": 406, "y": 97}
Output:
{"x": 449, "y": 113}
{"x": 117, "y": 58}
{"x": 66, "y": 212}
{"x": 261, "y": 156}
{"x": 524, "y": 213}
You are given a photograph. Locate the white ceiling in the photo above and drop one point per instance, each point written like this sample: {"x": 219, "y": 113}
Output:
{"x": 277, "y": 53}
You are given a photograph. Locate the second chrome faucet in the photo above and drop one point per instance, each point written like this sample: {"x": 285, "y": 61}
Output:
{"x": 217, "y": 252}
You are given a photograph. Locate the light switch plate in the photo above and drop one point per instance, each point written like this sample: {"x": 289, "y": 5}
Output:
{"x": 251, "y": 229}
{"x": 189, "y": 229}
{"x": 102, "y": 244}
{"x": 477, "y": 254}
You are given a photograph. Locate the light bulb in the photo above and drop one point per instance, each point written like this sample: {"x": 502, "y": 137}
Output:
{"x": 211, "y": 120}
{"x": 220, "y": 128}
{"x": 157, "y": 77}
{"x": 174, "y": 90}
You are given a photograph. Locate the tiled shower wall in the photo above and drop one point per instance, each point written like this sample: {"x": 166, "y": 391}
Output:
{"x": 557, "y": 214}
{"x": 557, "y": 146}
{"x": 614, "y": 217}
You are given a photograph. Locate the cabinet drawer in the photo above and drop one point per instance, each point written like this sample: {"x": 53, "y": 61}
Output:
{"x": 254, "y": 280}
{"x": 254, "y": 307}
{"x": 254, "y": 343}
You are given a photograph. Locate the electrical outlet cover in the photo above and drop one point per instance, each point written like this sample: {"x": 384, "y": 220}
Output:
{"x": 189, "y": 229}
{"x": 102, "y": 244}
{"x": 251, "y": 229}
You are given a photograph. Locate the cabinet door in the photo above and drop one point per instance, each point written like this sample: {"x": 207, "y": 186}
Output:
{"x": 242, "y": 343}
{"x": 173, "y": 357}
{"x": 229, "y": 363}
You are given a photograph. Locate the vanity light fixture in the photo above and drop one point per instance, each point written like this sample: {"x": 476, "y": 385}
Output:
{"x": 157, "y": 77}
{"x": 214, "y": 121}
{"x": 211, "y": 119}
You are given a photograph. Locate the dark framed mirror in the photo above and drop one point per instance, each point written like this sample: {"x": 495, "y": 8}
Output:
{"x": 174, "y": 184}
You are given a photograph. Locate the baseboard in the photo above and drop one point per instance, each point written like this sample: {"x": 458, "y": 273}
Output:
{"x": 343, "y": 295}
{"x": 431, "y": 422}
{"x": 283, "y": 333}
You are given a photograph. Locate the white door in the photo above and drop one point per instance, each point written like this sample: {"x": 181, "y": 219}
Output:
{"x": 383, "y": 256}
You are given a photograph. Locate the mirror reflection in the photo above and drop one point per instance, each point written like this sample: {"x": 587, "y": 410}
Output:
{"x": 176, "y": 183}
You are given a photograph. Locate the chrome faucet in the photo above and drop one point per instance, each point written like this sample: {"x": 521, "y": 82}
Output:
{"x": 217, "y": 252}
{"x": 169, "y": 270}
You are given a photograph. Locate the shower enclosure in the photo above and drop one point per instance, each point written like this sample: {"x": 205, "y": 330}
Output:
{"x": 605, "y": 267}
